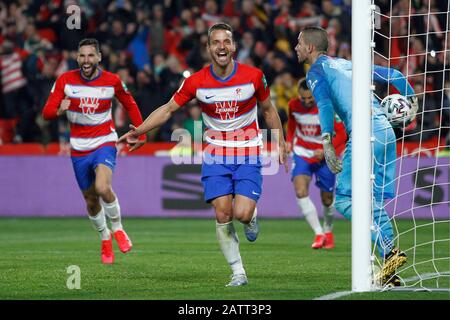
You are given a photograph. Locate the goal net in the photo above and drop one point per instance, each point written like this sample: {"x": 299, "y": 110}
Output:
{"x": 414, "y": 38}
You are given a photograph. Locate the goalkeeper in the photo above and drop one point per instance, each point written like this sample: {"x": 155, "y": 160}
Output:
{"x": 330, "y": 81}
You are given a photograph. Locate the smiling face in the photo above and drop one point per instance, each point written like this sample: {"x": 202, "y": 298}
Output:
{"x": 221, "y": 47}
{"x": 88, "y": 60}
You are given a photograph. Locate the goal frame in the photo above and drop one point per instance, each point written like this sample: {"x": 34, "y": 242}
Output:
{"x": 362, "y": 23}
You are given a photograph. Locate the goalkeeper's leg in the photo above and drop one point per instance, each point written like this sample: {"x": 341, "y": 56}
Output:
{"x": 384, "y": 171}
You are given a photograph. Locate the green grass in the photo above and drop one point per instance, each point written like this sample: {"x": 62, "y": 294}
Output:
{"x": 181, "y": 259}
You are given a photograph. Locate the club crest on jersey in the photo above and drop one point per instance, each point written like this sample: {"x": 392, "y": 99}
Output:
{"x": 227, "y": 109}
{"x": 88, "y": 105}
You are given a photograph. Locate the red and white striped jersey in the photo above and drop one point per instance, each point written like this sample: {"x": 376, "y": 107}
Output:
{"x": 229, "y": 107}
{"x": 89, "y": 114}
{"x": 304, "y": 131}
{"x": 11, "y": 72}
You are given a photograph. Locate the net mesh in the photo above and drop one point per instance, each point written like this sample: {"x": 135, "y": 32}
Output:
{"x": 413, "y": 37}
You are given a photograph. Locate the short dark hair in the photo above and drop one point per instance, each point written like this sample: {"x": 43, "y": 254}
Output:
{"x": 302, "y": 84}
{"x": 219, "y": 26}
{"x": 316, "y": 36}
{"x": 89, "y": 42}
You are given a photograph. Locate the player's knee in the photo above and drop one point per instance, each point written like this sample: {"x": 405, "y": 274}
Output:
{"x": 242, "y": 214}
{"x": 92, "y": 201}
{"x": 223, "y": 214}
{"x": 301, "y": 193}
{"x": 327, "y": 200}
{"x": 103, "y": 189}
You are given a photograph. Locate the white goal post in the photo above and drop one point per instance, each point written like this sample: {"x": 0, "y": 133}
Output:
{"x": 361, "y": 151}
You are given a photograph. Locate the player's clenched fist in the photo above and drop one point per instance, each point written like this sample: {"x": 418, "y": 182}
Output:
{"x": 63, "y": 106}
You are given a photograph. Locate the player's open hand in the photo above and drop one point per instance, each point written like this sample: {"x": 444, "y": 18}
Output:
{"x": 283, "y": 155}
{"x": 132, "y": 139}
{"x": 63, "y": 106}
{"x": 333, "y": 162}
{"x": 414, "y": 108}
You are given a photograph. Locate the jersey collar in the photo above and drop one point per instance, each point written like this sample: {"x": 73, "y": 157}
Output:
{"x": 95, "y": 78}
{"x": 227, "y": 78}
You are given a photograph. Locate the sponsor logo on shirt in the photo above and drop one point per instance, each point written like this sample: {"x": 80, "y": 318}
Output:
{"x": 226, "y": 109}
{"x": 88, "y": 105}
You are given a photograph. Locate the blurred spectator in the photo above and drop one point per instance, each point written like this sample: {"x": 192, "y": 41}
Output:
{"x": 425, "y": 125}
{"x": 445, "y": 117}
{"x": 151, "y": 43}
{"x": 246, "y": 46}
{"x": 194, "y": 122}
{"x": 281, "y": 92}
{"x": 16, "y": 100}
{"x": 211, "y": 13}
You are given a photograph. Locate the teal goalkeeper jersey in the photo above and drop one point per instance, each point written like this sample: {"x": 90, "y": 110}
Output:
{"x": 330, "y": 81}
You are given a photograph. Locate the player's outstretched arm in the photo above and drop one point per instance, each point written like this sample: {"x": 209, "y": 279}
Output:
{"x": 156, "y": 119}
{"x": 273, "y": 122}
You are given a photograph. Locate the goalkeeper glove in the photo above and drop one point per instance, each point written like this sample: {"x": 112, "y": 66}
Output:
{"x": 414, "y": 108}
{"x": 333, "y": 162}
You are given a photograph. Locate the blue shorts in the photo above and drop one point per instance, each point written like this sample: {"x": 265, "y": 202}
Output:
{"x": 325, "y": 179}
{"x": 384, "y": 151}
{"x": 85, "y": 166}
{"x": 220, "y": 179}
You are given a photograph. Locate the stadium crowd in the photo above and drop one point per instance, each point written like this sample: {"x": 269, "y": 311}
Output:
{"x": 153, "y": 45}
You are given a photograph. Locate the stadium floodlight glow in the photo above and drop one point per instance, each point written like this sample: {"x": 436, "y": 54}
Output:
{"x": 186, "y": 73}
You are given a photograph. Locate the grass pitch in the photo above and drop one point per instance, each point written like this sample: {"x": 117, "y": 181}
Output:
{"x": 180, "y": 259}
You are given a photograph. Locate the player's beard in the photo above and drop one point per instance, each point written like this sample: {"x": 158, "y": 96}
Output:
{"x": 89, "y": 72}
{"x": 308, "y": 105}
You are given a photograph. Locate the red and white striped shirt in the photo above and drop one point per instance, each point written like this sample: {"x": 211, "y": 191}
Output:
{"x": 229, "y": 108}
{"x": 89, "y": 114}
{"x": 11, "y": 71}
{"x": 304, "y": 131}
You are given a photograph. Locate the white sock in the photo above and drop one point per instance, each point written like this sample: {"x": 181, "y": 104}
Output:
{"x": 99, "y": 223}
{"x": 328, "y": 217}
{"x": 112, "y": 211}
{"x": 229, "y": 243}
{"x": 309, "y": 211}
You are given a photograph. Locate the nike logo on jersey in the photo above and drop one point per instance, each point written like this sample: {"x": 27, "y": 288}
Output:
{"x": 209, "y": 97}
{"x": 255, "y": 193}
